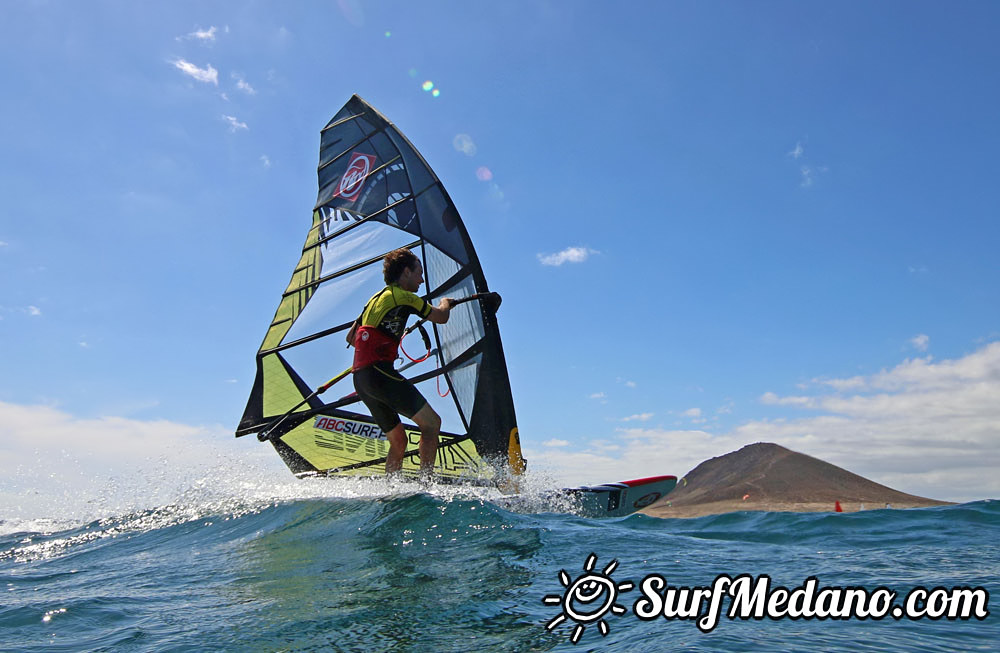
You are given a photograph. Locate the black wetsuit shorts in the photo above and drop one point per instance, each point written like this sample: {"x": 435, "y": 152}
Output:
{"x": 387, "y": 394}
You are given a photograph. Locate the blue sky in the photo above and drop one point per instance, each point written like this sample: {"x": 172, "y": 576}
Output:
{"x": 712, "y": 223}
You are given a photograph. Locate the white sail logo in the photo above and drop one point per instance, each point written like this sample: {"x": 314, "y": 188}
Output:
{"x": 354, "y": 177}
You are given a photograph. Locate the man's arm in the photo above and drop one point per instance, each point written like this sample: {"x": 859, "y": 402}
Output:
{"x": 441, "y": 312}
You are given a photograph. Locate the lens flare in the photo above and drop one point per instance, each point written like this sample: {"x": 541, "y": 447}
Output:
{"x": 484, "y": 174}
{"x": 436, "y": 92}
{"x": 428, "y": 85}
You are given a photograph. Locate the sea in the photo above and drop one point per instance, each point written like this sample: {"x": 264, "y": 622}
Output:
{"x": 229, "y": 562}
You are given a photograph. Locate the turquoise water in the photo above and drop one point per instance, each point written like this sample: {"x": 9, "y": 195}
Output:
{"x": 331, "y": 565}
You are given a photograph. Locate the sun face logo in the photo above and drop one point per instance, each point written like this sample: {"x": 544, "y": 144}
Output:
{"x": 588, "y": 598}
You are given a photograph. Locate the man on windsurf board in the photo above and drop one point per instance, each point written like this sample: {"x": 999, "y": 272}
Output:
{"x": 376, "y": 336}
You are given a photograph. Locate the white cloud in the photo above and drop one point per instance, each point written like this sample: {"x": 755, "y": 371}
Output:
{"x": 922, "y": 374}
{"x": 808, "y": 171}
{"x": 243, "y": 85}
{"x": 555, "y": 442}
{"x": 639, "y": 417}
{"x": 464, "y": 144}
{"x": 208, "y": 74}
{"x": 264, "y": 159}
{"x": 234, "y": 124}
{"x": 771, "y": 399}
{"x": 641, "y": 452}
{"x": 598, "y": 395}
{"x": 203, "y": 35}
{"x": 920, "y": 342}
{"x": 840, "y": 385}
{"x": 3, "y": 243}
{"x": 568, "y": 255}
{"x": 32, "y": 311}
{"x": 809, "y": 174}
{"x": 923, "y": 427}
{"x": 692, "y": 412}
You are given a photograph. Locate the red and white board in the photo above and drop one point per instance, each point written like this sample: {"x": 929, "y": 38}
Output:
{"x": 621, "y": 499}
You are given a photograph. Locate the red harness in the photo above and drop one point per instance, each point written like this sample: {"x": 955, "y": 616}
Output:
{"x": 373, "y": 346}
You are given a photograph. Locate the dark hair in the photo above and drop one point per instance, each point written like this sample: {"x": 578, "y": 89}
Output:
{"x": 395, "y": 262}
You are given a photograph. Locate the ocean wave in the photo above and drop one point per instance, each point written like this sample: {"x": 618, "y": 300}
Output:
{"x": 358, "y": 564}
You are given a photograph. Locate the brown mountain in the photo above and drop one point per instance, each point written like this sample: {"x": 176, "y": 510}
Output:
{"x": 766, "y": 476}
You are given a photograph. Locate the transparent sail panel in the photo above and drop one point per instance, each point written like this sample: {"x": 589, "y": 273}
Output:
{"x": 464, "y": 380}
{"x": 439, "y": 268}
{"x": 362, "y": 243}
{"x": 318, "y": 361}
{"x": 464, "y": 327}
{"x": 432, "y": 390}
{"x": 337, "y": 301}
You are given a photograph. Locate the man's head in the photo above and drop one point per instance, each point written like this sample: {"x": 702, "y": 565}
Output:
{"x": 401, "y": 266}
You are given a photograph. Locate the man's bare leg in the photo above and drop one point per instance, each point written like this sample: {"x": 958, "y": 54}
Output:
{"x": 397, "y": 446}
{"x": 430, "y": 426}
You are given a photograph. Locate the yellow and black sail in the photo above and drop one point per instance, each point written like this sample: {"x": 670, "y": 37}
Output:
{"x": 376, "y": 193}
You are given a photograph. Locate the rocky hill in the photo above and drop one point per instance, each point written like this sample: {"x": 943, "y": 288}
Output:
{"x": 765, "y": 476}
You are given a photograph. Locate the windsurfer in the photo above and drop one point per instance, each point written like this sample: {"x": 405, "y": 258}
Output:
{"x": 376, "y": 335}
